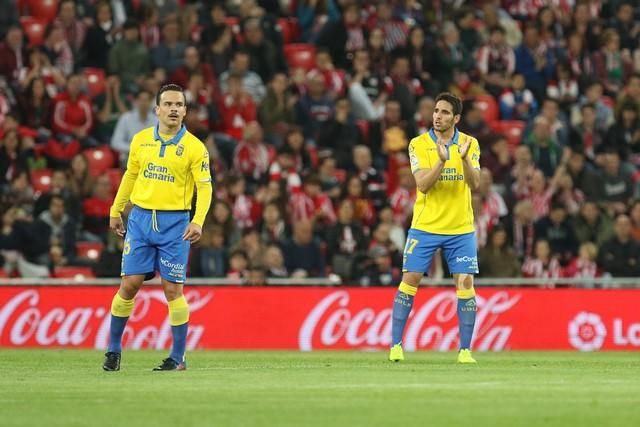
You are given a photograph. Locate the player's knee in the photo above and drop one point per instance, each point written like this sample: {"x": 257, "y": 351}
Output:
{"x": 130, "y": 286}
{"x": 172, "y": 291}
{"x": 463, "y": 281}
{"x": 412, "y": 278}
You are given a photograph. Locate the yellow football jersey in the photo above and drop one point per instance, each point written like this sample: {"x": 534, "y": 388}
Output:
{"x": 446, "y": 207}
{"x": 164, "y": 173}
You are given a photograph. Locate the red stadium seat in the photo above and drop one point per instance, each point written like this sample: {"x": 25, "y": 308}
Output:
{"x": 115, "y": 175}
{"x": 43, "y": 9}
{"x": 41, "y": 180}
{"x": 34, "y": 28}
{"x": 96, "y": 83}
{"x": 89, "y": 250}
{"x": 300, "y": 55}
{"x": 100, "y": 159}
{"x": 71, "y": 272}
{"x": 289, "y": 29}
{"x": 489, "y": 108}
{"x": 512, "y": 129}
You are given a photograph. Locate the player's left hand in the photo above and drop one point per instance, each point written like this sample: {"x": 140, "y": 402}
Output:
{"x": 464, "y": 147}
{"x": 192, "y": 233}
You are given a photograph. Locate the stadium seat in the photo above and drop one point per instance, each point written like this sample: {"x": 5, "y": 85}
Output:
{"x": 72, "y": 272}
{"x": 100, "y": 159}
{"x": 34, "y": 28}
{"x": 89, "y": 250}
{"x": 512, "y": 129}
{"x": 289, "y": 29}
{"x": 43, "y": 9}
{"x": 115, "y": 175}
{"x": 41, "y": 180}
{"x": 489, "y": 108}
{"x": 300, "y": 55}
{"x": 95, "y": 77}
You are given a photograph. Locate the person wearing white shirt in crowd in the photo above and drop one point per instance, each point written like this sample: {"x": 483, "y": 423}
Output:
{"x": 133, "y": 121}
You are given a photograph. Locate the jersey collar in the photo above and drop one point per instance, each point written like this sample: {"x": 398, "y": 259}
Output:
{"x": 174, "y": 140}
{"x": 454, "y": 140}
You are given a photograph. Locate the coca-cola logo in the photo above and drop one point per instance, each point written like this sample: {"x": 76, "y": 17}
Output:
{"x": 25, "y": 322}
{"x": 587, "y": 331}
{"x": 432, "y": 325}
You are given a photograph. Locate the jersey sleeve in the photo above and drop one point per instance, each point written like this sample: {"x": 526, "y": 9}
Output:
{"x": 474, "y": 152}
{"x": 418, "y": 156}
{"x": 202, "y": 178}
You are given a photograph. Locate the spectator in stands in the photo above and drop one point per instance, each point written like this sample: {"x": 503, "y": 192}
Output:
{"x": 496, "y": 63}
{"x": 14, "y": 156}
{"x": 13, "y": 54}
{"x": 329, "y": 182}
{"x": 634, "y": 216}
{"x": 274, "y": 262}
{"x": 274, "y": 229}
{"x": 380, "y": 270}
{"x": 73, "y": 114}
{"x": 256, "y": 275}
{"x": 95, "y": 210}
{"x": 99, "y": 38}
{"x": 615, "y": 186}
{"x": 517, "y": 102}
{"x": 473, "y": 122}
{"x": 75, "y": 29}
{"x": 421, "y": 60}
{"x": 109, "y": 264}
{"x": 403, "y": 197}
{"x": 466, "y": 22}
{"x": 266, "y": 59}
{"x": 312, "y": 15}
{"x": 238, "y": 265}
{"x": 59, "y": 188}
{"x": 372, "y": 179}
{"x": 333, "y": 79}
{"x": 18, "y": 193}
{"x": 294, "y": 139}
{"x": 545, "y": 148}
{"x": 564, "y": 89}
{"x": 221, "y": 215}
{"x": 593, "y": 94}
{"x": 355, "y": 191}
{"x": 34, "y": 106}
{"x": 129, "y": 58}
{"x": 424, "y": 115}
{"x": 630, "y": 94}
{"x": 251, "y": 81}
{"x": 110, "y": 106}
{"x": 52, "y": 228}
{"x": 283, "y": 170}
{"x": 245, "y": 208}
{"x": 620, "y": 256}
{"x": 453, "y": 63}
{"x": 315, "y": 107}
{"x": 556, "y": 229}
{"x": 395, "y": 30}
{"x": 584, "y": 265}
{"x": 557, "y": 120}
{"x": 380, "y": 57}
{"x": 522, "y": 229}
{"x": 237, "y": 110}
{"x": 311, "y": 204}
{"x": 79, "y": 177}
{"x": 169, "y": 54}
{"x": 492, "y": 202}
{"x": 585, "y": 136}
{"x": 535, "y": 61}
{"x": 498, "y": 259}
{"x": 625, "y": 133}
{"x": 543, "y": 265}
{"x": 192, "y": 65}
{"x": 277, "y": 109}
{"x": 403, "y": 87}
{"x": 492, "y": 16}
{"x": 612, "y": 67}
{"x": 57, "y": 49}
{"x": 251, "y": 157}
{"x": 252, "y": 245}
{"x": 141, "y": 116}
{"x": 340, "y": 133}
{"x": 343, "y": 37}
{"x": 391, "y": 134}
{"x": 303, "y": 257}
{"x": 346, "y": 240}
{"x": 381, "y": 236}
{"x": 578, "y": 58}
{"x": 582, "y": 175}
{"x": 497, "y": 159}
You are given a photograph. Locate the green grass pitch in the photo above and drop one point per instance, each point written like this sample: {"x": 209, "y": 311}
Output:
{"x": 68, "y": 388}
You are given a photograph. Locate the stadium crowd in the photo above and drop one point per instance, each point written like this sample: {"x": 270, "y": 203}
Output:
{"x": 307, "y": 108}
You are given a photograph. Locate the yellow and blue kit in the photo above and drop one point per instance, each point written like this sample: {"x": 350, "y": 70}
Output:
{"x": 443, "y": 216}
{"x": 162, "y": 173}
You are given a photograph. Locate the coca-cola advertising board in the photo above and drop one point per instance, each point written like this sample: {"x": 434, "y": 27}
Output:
{"x": 313, "y": 318}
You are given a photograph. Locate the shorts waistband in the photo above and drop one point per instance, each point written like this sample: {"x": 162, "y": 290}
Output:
{"x": 161, "y": 210}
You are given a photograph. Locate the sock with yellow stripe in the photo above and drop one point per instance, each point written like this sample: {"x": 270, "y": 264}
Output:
{"x": 466, "y": 315}
{"x": 179, "y": 320}
{"x": 120, "y": 311}
{"x": 402, "y": 304}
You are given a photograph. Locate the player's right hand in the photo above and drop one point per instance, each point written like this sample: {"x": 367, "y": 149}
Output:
{"x": 443, "y": 150}
{"x": 116, "y": 224}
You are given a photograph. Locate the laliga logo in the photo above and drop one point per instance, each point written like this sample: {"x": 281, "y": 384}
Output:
{"x": 587, "y": 331}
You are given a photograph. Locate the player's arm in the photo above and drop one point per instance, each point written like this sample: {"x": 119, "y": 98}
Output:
{"x": 470, "y": 153}
{"x": 426, "y": 173}
{"x": 202, "y": 178}
{"x": 124, "y": 190}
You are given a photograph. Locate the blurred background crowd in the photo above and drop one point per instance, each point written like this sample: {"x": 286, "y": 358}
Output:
{"x": 307, "y": 108}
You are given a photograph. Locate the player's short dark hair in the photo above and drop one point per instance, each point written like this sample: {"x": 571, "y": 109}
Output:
{"x": 170, "y": 87}
{"x": 456, "y": 103}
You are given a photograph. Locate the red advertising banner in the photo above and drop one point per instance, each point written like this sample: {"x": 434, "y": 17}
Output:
{"x": 324, "y": 318}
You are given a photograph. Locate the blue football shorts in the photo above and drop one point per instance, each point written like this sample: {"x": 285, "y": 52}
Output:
{"x": 459, "y": 250}
{"x": 154, "y": 243}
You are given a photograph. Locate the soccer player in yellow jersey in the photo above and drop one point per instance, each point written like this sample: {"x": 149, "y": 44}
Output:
{"x": 165, "y": 164}
{"x": 446, "y": 166}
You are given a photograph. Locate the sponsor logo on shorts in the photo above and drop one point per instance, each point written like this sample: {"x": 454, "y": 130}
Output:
{"x": 466, "y": 259}
{"x": 176, "y": 269}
